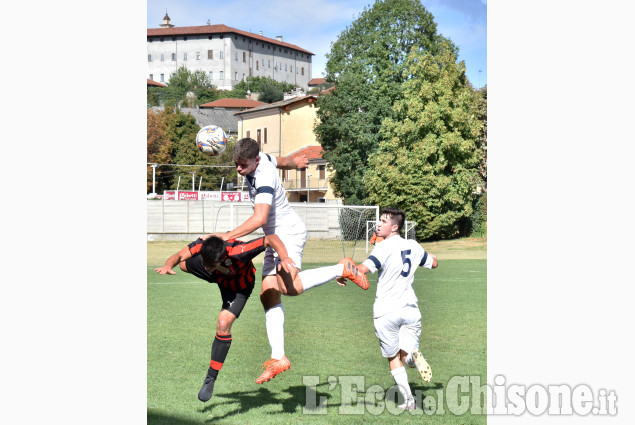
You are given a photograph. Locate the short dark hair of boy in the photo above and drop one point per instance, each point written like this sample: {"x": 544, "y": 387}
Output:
{"x": 246, "y": 149}
{"x": 397, "y": 216}
{"x": 212, "y": 251}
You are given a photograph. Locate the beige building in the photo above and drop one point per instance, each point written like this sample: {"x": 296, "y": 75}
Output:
{"x": 286, "y": 129}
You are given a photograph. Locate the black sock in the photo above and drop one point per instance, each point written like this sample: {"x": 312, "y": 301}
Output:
{"x": 220, "y": 348}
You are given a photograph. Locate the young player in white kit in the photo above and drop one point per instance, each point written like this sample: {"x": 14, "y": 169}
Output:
{"x": 396, "y": 312}
{"x": 273, "y": 213}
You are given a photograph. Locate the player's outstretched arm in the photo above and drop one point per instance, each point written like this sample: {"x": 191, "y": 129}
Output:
{"x": 173, "y": 261}
{"x": 276, "y": 243}
{"x": 435, "y": 263}
{"x": 258, "y": 219}
{"x": 297, "y": 163}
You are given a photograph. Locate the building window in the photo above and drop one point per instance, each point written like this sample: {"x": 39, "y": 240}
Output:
{"x": 173, "y": 57}
{"x": 222, "y": 75}
{"x": 149, "y": 58}
{"x": 263, "y": 61}
{"x": 285, "y": 175}
{"x": 198, "y": 56}
{"x": 222, "y": 36}
{"x": 211, "y": 75}
{"x": 235, "y": 55}
{"x": 162, "y": 57}
{"x": 184, "y": 38}
{"x": 269, "y": 63}
{"x": 291, "y": 68}
{"x": 210, "y": 54}
{"x": 235, "y": 76}
{"x": 265, "y": 135}
{"x": 161, "y": 39}
{"x": 162, "y": 78}
{"x": 322, "y": 171}
{"x": 221, "y": 54}
{"x": 285, "y": 66}
{"x": 244, "y": 56}
{"x": 209, "y": 37}
{"x": 173, "y": 38}
{"x": 258, "y": 134}
{"x": 257, "y": 65}
{"x": 152, "y": 77}
{"x": 248, "y": 133}
{"x": 302, "y": 71}
{"x": 185, "y": 56}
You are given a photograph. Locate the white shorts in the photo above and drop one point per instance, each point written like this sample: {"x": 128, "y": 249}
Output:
{"x": 399, "y": 330}
{"x": 294, "y": 243}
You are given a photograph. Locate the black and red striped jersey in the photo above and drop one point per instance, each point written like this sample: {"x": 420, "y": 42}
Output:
{"x": 238, "y": 271}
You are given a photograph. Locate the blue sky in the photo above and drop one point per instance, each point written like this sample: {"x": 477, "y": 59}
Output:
{"x": 315, "y": 24}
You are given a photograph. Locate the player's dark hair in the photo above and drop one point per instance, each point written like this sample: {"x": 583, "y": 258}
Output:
{"x": 246, "y": 148}
{"x": 212, "y": 250}
{"x": 396, "y": 215}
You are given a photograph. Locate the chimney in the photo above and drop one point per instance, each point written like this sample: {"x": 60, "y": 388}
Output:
{"x": 279, "y": 37}
{"x": 260, "y": 32}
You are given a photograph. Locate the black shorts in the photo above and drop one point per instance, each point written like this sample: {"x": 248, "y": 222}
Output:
{"x": 233, "y": 301}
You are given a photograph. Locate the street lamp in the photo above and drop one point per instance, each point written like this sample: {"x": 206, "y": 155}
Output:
{"x": 308, "y": 187}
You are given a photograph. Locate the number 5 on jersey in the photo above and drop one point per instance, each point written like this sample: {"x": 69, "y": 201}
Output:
{"x": 407, "y": 265}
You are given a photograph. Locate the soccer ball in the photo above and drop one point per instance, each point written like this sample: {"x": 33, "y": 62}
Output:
{"x": 211, "y": 140}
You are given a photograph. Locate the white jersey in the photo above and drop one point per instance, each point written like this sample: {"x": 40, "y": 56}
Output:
{"x": 265, "y": 187}
{"x": 396, "y": 259}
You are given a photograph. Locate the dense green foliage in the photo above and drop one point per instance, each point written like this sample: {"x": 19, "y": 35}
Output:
{"x": 479, "y": 218}
{"x": 428, "y": 160}
{"x": 366, "y": 64}
{"x": 180, "y": 135}
{"x": 270, "y": 90}
{"x": 182, "y": 82}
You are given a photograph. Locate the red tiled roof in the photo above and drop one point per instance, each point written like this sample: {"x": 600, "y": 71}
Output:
{"x": 327, "y": 91}
{"x": 154, "y": 83}
{"x": 316, "y": 81}
{"x": 284, "y": 104}
{"x": 311, "y": 152}
{"x": 218, "y": 29}
{"x": 232, "y": 103}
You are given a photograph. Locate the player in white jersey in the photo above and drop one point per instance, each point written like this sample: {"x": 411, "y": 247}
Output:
{"x": 273, "y": 213}
{"x": 396, "y": 312}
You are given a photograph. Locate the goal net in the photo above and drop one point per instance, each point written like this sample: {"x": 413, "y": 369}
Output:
{"x": 333, "y": 231}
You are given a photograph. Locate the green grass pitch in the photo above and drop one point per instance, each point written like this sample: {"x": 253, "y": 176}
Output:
{"x": 328, "y": 334}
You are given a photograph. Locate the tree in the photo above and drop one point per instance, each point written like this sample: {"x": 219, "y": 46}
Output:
{"x": 430, "y": 155}
{"x": 159, "y": 146}
{"x": 182, "y": 82}
{"x": 182, "y": 130}
{"x": 366, "y": 64}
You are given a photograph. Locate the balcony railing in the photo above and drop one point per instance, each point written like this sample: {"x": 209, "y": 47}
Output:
{"x": 301, "y": 184}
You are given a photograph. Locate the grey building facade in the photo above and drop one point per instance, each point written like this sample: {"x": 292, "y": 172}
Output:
{"x": 228, "y": 55}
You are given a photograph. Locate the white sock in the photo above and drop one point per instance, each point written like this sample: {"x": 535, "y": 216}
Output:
{"x": 274, "y": 321}
{"x": 401, "y": 379}
{"x": 320, "y": 276}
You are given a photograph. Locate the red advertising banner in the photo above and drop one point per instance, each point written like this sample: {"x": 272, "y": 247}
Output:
{"x": 230, "y": 196}
{"x": 170, "y": 195}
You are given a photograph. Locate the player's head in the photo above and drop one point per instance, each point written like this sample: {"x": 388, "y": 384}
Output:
{"x": 246, "y": 156}
{"x": 212, "y": 252}
{"x": 395, "y": 216}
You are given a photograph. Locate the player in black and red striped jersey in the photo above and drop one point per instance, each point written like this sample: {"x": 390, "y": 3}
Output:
{"x": 229, "y": 264}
